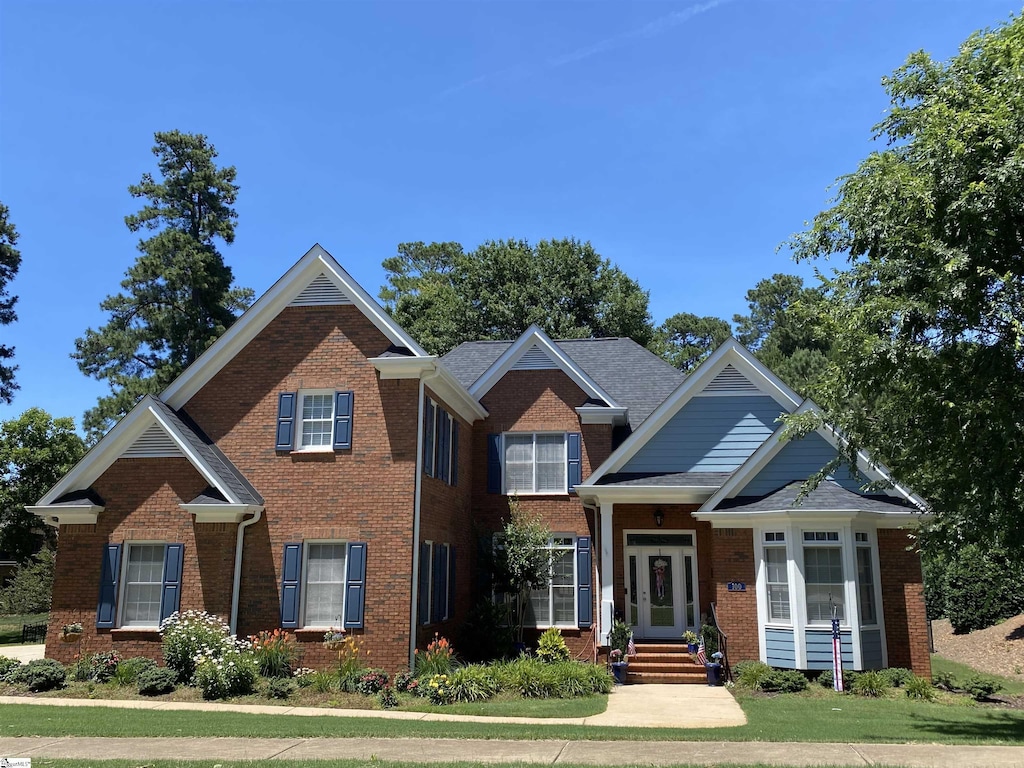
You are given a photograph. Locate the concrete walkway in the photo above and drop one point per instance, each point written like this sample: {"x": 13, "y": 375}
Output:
{"x": 23, "y": 653}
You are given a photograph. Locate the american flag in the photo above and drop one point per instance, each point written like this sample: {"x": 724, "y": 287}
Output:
{"x": 837, "y": 655}
{"x": 702, "y": 657}
{"x": 631, "y": 647}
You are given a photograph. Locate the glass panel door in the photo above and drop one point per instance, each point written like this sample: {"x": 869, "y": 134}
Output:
{"x": 661, "y": 591}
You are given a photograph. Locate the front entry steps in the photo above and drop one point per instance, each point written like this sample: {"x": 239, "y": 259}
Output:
{"x": 664, "y": 663}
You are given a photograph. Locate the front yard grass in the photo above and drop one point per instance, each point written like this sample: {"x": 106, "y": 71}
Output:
{"x": 962, "y": 672}
{"x": 10, "y": 626}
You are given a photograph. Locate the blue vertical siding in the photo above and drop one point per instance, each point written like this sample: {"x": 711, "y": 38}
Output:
{"x": 819, "y": 648}
{"x": 798, "y": 460}
{"x": 780, "y": 648}
{"x": 709, "y": 434}
{"x": 871, "y": 648}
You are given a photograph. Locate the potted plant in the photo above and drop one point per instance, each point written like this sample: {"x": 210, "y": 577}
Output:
{"x": 71, "y": 633}
{"x": 690, "y": 638}
{"x": 334, "y": 639}
{"x": 618, "y": 647}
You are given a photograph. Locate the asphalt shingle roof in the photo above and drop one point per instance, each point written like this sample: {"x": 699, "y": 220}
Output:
{"x": 635, "y": 377}
{"x": 827, "y": 496}
{"x": 688, "y": 479}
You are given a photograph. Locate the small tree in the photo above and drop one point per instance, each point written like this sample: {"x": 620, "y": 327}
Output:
{"x": 522, "y": 561}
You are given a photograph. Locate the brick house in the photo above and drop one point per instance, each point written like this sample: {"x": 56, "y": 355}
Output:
{"x": 316, "y": 468}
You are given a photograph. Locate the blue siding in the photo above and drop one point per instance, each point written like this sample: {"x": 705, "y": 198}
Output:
{"x": 709, "y": 434}
{"x": 781, "y": 650}
{"x": 871, "y": 648}
{"x": 819, "y": 648}
{"x": 798, "y": 460}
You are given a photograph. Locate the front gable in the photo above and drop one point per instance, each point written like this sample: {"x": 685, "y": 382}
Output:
{"x": 799, "y": 459}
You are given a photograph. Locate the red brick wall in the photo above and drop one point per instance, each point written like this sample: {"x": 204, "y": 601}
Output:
{"x": 733, "y": 560}
{"x": 543, "y": 401}
{"x": 906, "y": 625}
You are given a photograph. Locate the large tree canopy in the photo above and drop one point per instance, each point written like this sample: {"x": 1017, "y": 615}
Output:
{"x": 10, "y": 261}
{"x": 444, "y": 296}
{"x": 35, "y": 452}
{"x": 929, "y": 307}
{"x": 178, "y": 297}
{"x": 685, "y": 339}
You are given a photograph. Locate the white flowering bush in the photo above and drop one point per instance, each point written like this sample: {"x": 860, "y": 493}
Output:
{"x": 233, "y": 673}
{"x": 193, "y": 635}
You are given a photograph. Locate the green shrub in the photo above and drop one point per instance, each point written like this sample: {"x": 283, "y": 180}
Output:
{"x": 193, "y": 634}
{"x": 784, "y": 681}
{"x": 945, "y": 680}
{"x": 871, "y": 683}
{"x": 275, "y": 654}
{"x": 31, "y": 587}
{"x": 983, "y": 586}
{"x": 7, "y": 666}
{"x": 826, "y": 679}
{"x": 371, "y": 681}
{"x": 981, "y": 686}
{"x": 387, "y": 698}
{"x": 128, "y": 670}
{"x": 405, "y": 682}
{"x": 527, "y": 677}
{"x": 40, "y": 675}
{"x": 279, "y": 688}
{"x": 897, "y": 676}
{"x": 710, "y": 634}
{"x": 551, "y": 647}
{"x": 155, "y": 681}
{"x": 919, "y": 688}
{"x": 750, "y": 674}
{"x": 321, "y": 682}
{"x": 486, "y": 634}
{"x": 102, "y": 666}
{"x": 233, "y": 674}
{"x": 472, "y": 683}
{"x": 438, "y": 690}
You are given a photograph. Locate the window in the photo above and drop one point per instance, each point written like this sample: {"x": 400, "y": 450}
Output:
{"x": 535, "y": 463}
{"x": 776, "y": 566}
{"x": 143, "y": 585}
{"x": 317, "y": 420}
{"x": 437, "y": 582}
{"x": 324, "y": 584}
{"x": 823, "y": 576}
{"x": 440, "y": 443}
{"x": 314, "y": 420}
{"x": 555, "y": 604}
{"x": 865, "y": 581}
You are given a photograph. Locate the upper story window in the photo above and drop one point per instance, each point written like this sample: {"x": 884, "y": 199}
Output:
{"x": 314, "y": 420}
{"x": 440, "y": 443}
{"x": 535, "y": 463}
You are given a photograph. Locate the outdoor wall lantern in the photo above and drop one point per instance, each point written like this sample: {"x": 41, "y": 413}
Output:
{"x": 659, "y": 517}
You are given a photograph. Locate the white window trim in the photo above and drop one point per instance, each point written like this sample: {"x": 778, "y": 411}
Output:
{"x": 432, "y": 445}
{"x": 300, "y": 397}
{"x": 571, "y": 548}
{"x": 304, "y": 584}
{"x": 564, "y": 490}
{"x": 784, "y": 546}
{"x": 122, "y": 588}
{"x": 841, "y": 543}
{"x": 876, "y": 577}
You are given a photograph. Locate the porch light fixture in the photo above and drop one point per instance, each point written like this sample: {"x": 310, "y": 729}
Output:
{"x": 659, "y": 517}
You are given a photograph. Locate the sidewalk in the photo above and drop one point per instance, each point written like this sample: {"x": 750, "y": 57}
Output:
{"x": 493, "y": 751}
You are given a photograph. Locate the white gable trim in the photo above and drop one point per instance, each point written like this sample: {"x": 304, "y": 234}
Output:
{"x": 771, "y": 447}
{"x": 730, "y": 352}
{"x": 119, "y": 439}
{"x": 522, "y": 346}
{"x": 439, "y": 378}
{"x": 315, "y": 263}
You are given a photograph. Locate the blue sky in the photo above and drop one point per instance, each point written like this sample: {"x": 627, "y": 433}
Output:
{"x": 685, "y": 140}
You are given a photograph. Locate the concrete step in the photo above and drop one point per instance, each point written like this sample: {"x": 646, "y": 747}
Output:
{"x": 670, "y": 678}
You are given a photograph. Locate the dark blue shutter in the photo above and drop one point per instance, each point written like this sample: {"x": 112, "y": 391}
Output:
{"x": 575, "y": 449}
{"x": 355, "y": 585}
{"x": 285, "y": 421}
{"x": 342, "y": 421}
{"x": 444, "y": 432}
{"x": 451, "y": 582}
{"x": 494, "y": 463}
{"x": 584, "y": 588}
{"x": 291, "y": 585}
{"x": 428, "y": 439}
{"x": 170, "y": 598}
{"x": 437, "y": 588}
{"x": 423, "y": 608}
{"x": 455, "y": 452}
{"x": 106, "y": 610}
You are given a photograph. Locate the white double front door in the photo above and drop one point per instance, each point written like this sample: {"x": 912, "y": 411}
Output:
{"x": 661, "y": 584}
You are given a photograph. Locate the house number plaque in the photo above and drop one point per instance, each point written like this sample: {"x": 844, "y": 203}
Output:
{"x": 736, "y": 586}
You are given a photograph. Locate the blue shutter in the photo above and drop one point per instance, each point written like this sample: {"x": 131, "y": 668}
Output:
{"x": 423, "y": 609}
{"x": 355, "y": 585}
{"x": 494, "y": 463}
{"x": 291, "y": 585}
{"x": 584, "y": 588}
{"x": 106, "y": 609}
{"x": 437, "y": 588}
{"x": 428, "y": 439}
{"x": 170, "y": 598}
{"x": 285, "y": 421}
{"x": 451, "y": 582}
{"x": 455, "y": 452}
{"x": 443, "y": 443}
{"x": 342, "y": 421}
{"x": 574, "y": 466}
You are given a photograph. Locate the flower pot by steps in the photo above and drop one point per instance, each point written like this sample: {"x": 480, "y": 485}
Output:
{"x": 619, "y": 670}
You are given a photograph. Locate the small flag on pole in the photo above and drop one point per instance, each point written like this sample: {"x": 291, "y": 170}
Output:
{"x": 631, "y": 647}
{"x": 702, "y": 657}
{"x": 837, "y": 654}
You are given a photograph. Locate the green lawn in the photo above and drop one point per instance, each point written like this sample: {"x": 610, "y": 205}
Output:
{"x": 962, "y": 671}
{"x": 821, "y": 716}
{"x": 10, "y": 626}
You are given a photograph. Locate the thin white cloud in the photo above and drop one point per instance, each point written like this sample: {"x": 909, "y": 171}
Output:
{"x": 651, "y": 29}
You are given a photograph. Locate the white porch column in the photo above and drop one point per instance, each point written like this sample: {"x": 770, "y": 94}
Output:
{"x": 607, "y": 572}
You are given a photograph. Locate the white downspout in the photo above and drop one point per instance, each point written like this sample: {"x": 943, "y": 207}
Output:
{"x": 236, "y": 586}
{"x": 416, "y": 518}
